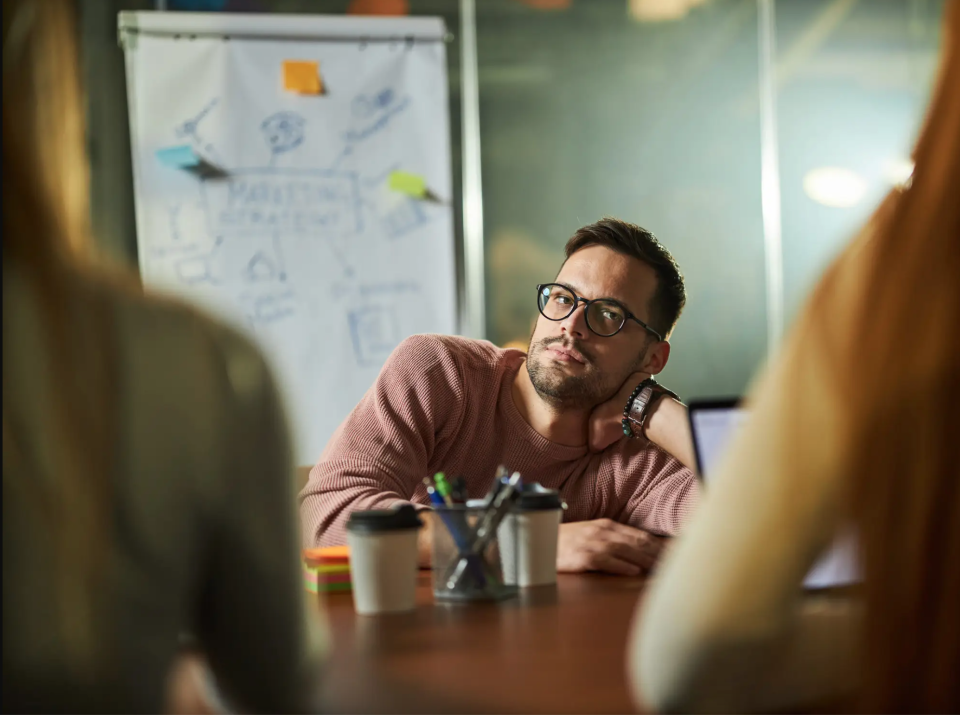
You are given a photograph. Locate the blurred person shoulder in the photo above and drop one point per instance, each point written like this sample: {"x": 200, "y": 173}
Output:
{"x": 183, "y": 380}
{"x": 166, "y": 333}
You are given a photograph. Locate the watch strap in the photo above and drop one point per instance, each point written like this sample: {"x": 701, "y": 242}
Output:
{"x": 636, "y": 404}
{"x": 640, "y": 404}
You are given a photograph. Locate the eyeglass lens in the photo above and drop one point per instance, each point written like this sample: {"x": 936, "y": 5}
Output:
{"x": 605, "y": 318}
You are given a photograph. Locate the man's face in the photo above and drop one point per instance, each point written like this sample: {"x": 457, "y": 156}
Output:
{"x": 572, "y": 367}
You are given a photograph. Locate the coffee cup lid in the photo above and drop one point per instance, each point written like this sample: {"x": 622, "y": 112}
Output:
{"x": 400, "y": 517}
{"x": 534, "y": 497}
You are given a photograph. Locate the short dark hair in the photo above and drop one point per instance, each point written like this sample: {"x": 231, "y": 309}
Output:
{"x": 632, "y": 240}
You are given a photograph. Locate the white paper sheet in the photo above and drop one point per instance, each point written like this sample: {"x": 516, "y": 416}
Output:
{"x": 300, "y": 242}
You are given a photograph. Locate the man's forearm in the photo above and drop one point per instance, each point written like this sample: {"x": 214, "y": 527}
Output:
{"x": 329, "y": 498}
{"x": 668, "y": 428}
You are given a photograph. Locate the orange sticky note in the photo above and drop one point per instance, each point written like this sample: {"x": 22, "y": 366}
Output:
{"x": 302, "y": 77}
{"x": 328, "y": 556}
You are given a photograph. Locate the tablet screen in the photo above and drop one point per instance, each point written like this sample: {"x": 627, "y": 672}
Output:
{"x": 714, "y": 426}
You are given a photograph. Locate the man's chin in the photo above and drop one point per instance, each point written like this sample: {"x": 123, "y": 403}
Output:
{"x": 559, "y": 392}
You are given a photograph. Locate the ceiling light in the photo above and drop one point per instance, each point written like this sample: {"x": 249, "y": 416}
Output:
{"x": 658, "y": 10}
{"x": 898, "y": 171}
{"x": 834, "y": 186}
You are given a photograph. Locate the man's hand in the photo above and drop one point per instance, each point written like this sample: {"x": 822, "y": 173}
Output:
{"x": 425, "y": 540}
{"x": 605, "y": 545}
{"x": 605, "y": 426}
{"x": 666, "y": 426}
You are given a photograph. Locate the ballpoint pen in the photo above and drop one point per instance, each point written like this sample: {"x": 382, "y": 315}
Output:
{"x": 498, "y": 481}
{"x": 459, "y": 538}
{"x": 495, "y": 514}
{"x": 487, "y": 528}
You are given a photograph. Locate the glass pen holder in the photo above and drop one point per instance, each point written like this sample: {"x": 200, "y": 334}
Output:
{"x": 466, "y": 556}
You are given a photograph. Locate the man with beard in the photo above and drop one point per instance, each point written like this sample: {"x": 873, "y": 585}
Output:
{"x": 556, "y": 414}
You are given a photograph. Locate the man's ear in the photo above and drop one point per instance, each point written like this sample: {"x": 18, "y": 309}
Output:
{"x": 656, "y": 358}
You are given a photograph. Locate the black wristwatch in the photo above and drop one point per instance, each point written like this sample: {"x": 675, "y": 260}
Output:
{"x": 640, "y": 405}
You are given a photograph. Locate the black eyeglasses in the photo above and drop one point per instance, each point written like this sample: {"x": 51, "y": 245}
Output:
{"x": 604, "y": 317}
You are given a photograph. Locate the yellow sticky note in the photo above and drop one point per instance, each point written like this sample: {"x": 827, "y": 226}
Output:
{"x": 331, "y": 568}
{"x": 302, "y": 76}
{"x": 409, "y": 184}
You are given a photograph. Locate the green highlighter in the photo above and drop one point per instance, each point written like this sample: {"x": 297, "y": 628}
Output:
{"x": 443, "y": 487}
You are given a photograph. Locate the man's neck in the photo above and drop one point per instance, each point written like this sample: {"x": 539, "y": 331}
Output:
{"x": 560, "y": 425}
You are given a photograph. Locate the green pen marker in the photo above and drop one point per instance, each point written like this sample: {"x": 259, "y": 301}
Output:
{"x": 443, "y": 487}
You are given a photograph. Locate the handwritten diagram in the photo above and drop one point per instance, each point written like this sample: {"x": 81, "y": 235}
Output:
{"x": 301, "y": 239}
{"x": 374, "y": 333}
{"x": 283, "y": 131}
{"x": 285, "y": 200}
{"x": 250, "y": 213}
{"x": 190, "y": 129}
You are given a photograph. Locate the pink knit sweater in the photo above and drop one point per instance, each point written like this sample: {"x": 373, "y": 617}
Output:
{"x": 445, "y": 403}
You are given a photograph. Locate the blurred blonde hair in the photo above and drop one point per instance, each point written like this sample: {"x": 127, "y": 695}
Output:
{"x": 46, "y": 240}
{"x": 43, "y": 128}
{"x": 895, "y": 357}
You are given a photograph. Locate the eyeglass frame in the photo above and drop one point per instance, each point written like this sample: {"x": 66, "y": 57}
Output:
{"x": 577, "y": 300}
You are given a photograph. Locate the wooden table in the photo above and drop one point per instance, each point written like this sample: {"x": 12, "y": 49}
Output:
{"x": 553, "y": 649}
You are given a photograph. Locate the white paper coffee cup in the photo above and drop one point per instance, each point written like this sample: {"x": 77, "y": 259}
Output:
{"x": 383, "y": 560}
{"x": 528, "y": 540}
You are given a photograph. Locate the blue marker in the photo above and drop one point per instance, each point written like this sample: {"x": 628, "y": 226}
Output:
{"x": 435, "y": 498}
{"x": 463, "y": 546}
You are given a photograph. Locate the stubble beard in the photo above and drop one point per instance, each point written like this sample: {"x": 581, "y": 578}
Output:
{"x": 563, "y": 391}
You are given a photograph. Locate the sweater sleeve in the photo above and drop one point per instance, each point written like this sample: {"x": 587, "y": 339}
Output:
{"x": 380, "y": 454}
{"x": 660, "y": 493}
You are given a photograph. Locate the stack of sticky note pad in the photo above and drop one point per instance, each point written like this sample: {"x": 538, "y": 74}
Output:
{"x": 327, "y": 569}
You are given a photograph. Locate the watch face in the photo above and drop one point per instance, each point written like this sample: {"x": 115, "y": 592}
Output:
{"x": 641, "y": 401}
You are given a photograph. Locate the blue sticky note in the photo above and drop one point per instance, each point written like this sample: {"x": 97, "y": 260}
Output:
{"x": 178, "y": 157}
